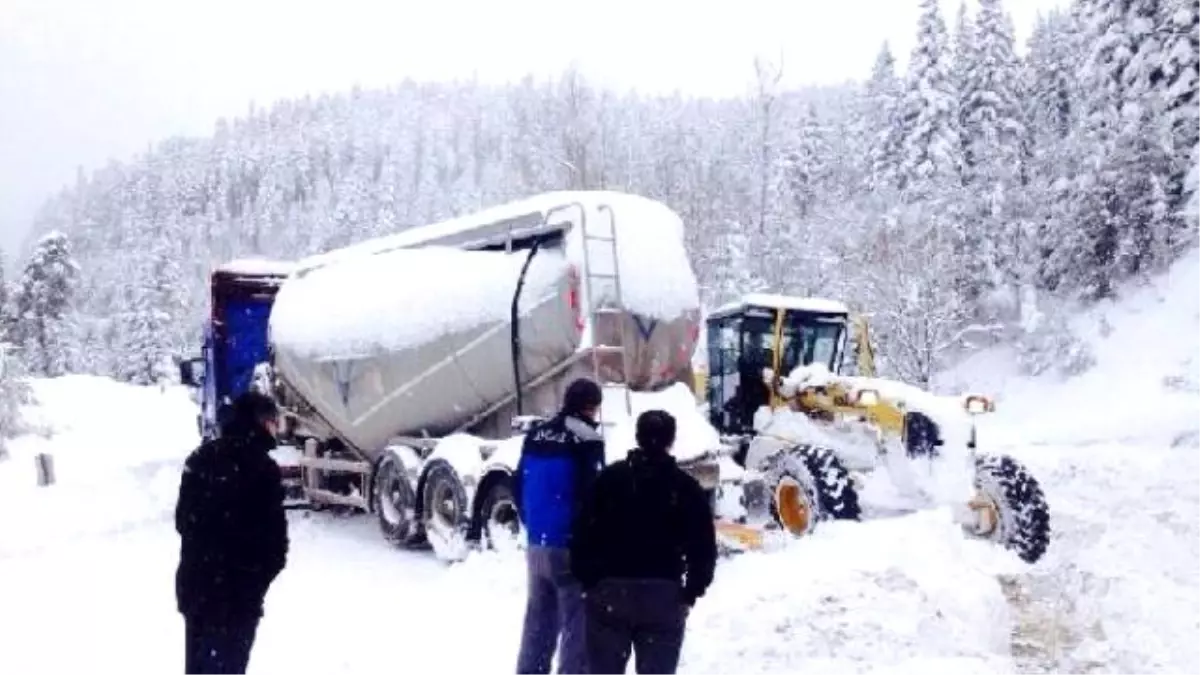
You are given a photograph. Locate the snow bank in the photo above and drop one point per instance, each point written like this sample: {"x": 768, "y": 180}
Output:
{"x": 1145, "y": 379}
{"x": 694, "y": 435}
{"x": 905, "y": 592}
{"x": 117, "y": 452}
{"x": 853, "y": 598}
{"x": 391, "y": 301}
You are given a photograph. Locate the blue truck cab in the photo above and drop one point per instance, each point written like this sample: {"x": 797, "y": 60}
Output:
{"x": 235, "y": 337}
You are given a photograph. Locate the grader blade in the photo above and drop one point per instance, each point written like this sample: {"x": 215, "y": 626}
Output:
{"x": 738, "y": 537}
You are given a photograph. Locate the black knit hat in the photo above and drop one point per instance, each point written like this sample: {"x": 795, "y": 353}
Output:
{"x": 252, "y": 408}
{"x": 581, "y": 395}
{"x": 655, "y": 431}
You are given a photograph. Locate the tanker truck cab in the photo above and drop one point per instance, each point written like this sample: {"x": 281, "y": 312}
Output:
{"x": 235, "y": 344}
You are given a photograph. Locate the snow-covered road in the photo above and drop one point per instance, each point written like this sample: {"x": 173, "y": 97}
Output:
{"x": 1117, "y": 592}
{"x": 349, "y": 602}
{"x": 1119, "y": 589}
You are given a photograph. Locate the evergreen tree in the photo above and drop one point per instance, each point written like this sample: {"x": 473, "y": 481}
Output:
{"x": 1178, "y": 27}
{"x": 44, "y": 329}
{"x": 881, "y": 121}
{"x": 966, "y": 56}
{"x": 931, "y": 154}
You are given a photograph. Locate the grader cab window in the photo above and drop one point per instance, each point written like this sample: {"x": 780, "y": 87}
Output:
{"x": 743, "y": 344}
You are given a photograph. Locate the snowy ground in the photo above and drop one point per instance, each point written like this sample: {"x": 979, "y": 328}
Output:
{"x": 87, "y": 566}
{"x": 92, "y": 567}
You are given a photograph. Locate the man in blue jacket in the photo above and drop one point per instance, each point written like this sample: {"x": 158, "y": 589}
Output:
{"x": 560, "y": 459}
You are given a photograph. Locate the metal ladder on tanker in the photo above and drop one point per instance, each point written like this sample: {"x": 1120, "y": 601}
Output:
{"x": 596, "y": 311}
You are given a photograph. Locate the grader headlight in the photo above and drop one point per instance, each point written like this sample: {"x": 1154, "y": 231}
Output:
{"x": 977, "y": 404}
{"x": 866, "y": 398}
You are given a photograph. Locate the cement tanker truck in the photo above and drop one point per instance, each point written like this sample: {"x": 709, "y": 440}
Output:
{"x": 410, "y": 365}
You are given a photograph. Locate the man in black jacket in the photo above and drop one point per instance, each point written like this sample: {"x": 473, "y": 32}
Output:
{"x": 233, "y": 537}
{"x": 644, "y": 550}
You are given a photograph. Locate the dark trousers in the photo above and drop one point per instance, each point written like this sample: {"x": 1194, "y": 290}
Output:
{"x": 554, "y": 608}
{"x": 218, "y": 646}
{"x": 647, "y": 616}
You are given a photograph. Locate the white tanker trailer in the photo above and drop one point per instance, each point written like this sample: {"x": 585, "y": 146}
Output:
{"x": 409, "y": 365}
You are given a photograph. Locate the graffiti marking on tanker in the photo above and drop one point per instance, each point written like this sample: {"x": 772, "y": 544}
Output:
{"x": 646, "y": 329}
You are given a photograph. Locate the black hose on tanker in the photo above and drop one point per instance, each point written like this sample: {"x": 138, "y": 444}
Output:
{"x": 516, "y": 326}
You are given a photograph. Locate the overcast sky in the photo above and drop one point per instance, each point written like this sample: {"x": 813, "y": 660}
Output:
{"x": 82, "y": 81}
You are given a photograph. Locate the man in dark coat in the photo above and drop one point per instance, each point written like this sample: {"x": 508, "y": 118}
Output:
{"x": 233, "y": 537}
{"x": 560, "y": 458}
{"x": 644, "y": 549}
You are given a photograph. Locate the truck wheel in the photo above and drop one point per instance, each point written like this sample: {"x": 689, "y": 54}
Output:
{"x": 395, "y": 502}
{"x": 1012, "y": 507}
{"x": 499, "y": 524}
{"x": 809, "y": 484}
{"x": 445, "y": 511}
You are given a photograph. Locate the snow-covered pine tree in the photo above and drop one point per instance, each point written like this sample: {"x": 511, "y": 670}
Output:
{"x": 931, "y": 155}
{"x": 14, "y": 391}
{"x": 43, "y": 324}
{"x": 966, "y": 52}
{"x": 994, "y": 133}
{"x": 6, "y": 311}
{"x": 1191, "y": 187}
{"x": 1178, "y": 25}
{"x": 149, "y": 338}
{"x": 881, "y": 123}
{"x": 1088, "y": 250}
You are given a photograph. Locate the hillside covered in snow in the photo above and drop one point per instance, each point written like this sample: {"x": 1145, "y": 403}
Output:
{"x": 942, "y": 199}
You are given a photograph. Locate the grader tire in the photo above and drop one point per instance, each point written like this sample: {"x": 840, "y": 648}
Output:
{"x": 1023, "y": 516}
{"x": 809, "y": 484}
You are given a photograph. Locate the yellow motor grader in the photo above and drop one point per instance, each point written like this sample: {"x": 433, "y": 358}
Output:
{"x": 822, "y": 445}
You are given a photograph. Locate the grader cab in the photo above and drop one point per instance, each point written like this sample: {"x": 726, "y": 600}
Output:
{"x": 766, "y": 332}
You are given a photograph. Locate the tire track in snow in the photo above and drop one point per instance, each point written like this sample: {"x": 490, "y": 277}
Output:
{"x": 1118, "y": 589}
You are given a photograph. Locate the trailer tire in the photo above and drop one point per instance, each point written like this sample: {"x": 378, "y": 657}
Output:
{"x": 395, "y": 503}
{"x": 497, "y": 517}
{"x": 445, "y": 510}
{"x": 809, "y": 484}
{"x": 1024, "y": 515}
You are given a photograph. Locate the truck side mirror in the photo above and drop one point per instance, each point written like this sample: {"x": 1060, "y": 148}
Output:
{"x": 191, "y": 372}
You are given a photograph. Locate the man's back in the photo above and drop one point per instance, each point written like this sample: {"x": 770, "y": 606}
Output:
{"x": 560, "y": 458}
{"x": 646, "y": 519}
{"x": 232, "y": 527}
